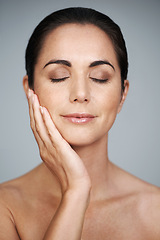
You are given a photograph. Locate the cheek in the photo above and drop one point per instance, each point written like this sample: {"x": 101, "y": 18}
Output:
{"x": 55, "y": 102}
{"x": 49, "y": 99}
{"x": 111, "y": 99}
{"x": 111, "y": 102}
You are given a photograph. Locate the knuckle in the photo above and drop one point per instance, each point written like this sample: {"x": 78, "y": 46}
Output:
{"x": 37, "y": 128}
{"x": 43, "y": 153}
{"x": 50, "y": 148}
{"x": 50, "y": 134}
{"x": 32, "y": 125}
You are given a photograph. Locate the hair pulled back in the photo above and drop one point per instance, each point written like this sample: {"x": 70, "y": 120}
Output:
{"x": 81, "y": 16}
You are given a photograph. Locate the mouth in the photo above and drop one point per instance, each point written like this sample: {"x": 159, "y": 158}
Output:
{"x": 79, "y": 118}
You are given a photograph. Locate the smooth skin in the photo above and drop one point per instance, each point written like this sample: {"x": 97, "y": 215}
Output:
{"x": 77, "y": 193}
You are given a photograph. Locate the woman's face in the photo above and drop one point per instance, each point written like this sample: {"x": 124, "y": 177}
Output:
{"x": 77, "y": 78}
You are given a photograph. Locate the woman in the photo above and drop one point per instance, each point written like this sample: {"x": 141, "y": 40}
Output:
{"x": 76, "y": 63}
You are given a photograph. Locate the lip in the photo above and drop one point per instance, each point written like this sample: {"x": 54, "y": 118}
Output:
{"x": 79, "y": 118}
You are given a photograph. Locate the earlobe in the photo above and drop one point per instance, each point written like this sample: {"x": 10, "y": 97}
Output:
{"x": 124, "y": 94}
{"x": 25, "y": 84}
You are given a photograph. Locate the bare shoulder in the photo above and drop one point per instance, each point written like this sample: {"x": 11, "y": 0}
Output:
{"x": 149, "y": 209}
{"x": 22, "y": 202}
{"x": 14, "y": 189}
{"x": 8, "y": 191}
{"x": 145, "y": 210}
{"x": 147, "y": 197}
{"x": 143, "y": 200}
{"x": 9, "y": 201}
{"x": 19, "y": 191}
{"x": 11, "y": 195}
{"x": 32, "y": 190}
{"x": 23, "y": 189}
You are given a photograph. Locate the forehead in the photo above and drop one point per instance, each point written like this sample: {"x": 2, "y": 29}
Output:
{"x": 78, "y": 42}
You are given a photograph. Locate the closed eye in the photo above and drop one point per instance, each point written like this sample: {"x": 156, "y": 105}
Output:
{"x": 94, "y": 79}
{"x": 58, "y": 79}
{"x": 99, "y": 80}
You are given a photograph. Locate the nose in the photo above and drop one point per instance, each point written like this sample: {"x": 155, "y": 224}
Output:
{"x": 79, "y": 91}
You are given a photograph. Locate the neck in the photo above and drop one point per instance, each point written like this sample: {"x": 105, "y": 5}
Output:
{"x": 95, "y": 158}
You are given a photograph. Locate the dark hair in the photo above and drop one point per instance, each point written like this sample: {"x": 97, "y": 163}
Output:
{"x": 81, "y": 16}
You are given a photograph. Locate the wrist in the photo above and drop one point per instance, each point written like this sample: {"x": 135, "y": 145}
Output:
{"x": 78, "y": 194}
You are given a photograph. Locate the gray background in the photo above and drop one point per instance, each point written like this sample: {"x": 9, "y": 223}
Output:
{"x": 134, "y": 141}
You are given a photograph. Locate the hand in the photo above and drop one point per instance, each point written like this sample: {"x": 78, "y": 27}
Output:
{"x": 55, "y": 152}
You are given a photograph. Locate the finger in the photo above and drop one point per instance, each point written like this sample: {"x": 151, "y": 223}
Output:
{"x": 53, "y": 132}
{"x": 40, "y": 127}
{"x": 30, "y": 94}
{"x": 62, "y": 147}
{"x": 32, "y": 121}
{"x": 71, "y": 161}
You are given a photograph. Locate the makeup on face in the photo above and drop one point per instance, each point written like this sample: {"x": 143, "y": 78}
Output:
{"x": 79, "y": 118}
{"x": 99, "y": 71}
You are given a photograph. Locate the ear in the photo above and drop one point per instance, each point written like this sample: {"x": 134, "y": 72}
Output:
{"x": 25, "y": 84}
{"x": 124, "y": 94}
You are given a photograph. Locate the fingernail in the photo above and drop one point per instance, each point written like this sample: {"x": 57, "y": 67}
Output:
{"x": 41, "y": 109}
{"x": 33, "y": 98}
{"x": 29, "y": 93}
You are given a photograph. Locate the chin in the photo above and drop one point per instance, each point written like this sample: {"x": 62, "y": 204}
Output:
{"x": 78, "y": 141}
{"x": 80, "y": 138}
{"x": 77, "y": 137}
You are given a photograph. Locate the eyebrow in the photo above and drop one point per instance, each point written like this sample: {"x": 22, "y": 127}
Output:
{"x": 63, "y": 62}
{"x": 68, "y": 64}
{"x": 101, "y": 62}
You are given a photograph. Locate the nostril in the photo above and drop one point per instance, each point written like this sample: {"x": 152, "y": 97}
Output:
{"x": 80, "y": 100}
